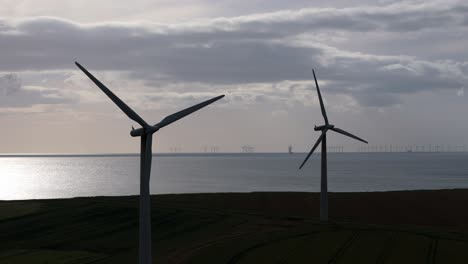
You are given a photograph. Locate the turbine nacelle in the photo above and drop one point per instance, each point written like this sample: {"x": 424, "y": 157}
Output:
{"x": 143, "y": 131}
{"x": 324, "y": 127}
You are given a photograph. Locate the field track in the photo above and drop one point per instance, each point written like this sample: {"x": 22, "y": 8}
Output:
{"x": 388, "y": 227}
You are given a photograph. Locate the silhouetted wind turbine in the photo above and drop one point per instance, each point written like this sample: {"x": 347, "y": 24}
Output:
{"x": 323, "y": 139}
{"x": 146, "y": 134}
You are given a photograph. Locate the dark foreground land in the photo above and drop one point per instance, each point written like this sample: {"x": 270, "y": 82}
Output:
{"x": 388, "y": 227}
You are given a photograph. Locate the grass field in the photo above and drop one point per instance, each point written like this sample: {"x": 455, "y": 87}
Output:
{"x": 391, "y": 227}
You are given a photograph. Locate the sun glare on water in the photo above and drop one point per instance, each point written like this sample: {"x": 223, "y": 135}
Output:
{"x": 16, "y": 179}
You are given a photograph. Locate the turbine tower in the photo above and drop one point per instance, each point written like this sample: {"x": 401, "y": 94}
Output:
{"x": 146, "y": 133}
{"x": 323, "y": 139}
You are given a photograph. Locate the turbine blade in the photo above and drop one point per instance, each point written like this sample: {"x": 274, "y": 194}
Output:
{"x": 125, "y": 108}
{"x": 322, "y": 106}
{"x": 348, "y": 134}
{"x": 176, "y": 116}
{"x": 313, "y": 149}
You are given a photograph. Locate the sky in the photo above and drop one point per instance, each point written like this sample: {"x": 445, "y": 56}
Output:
{"x": 391, "y": 72}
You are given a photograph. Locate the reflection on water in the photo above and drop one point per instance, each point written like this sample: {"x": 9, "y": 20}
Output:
{"x": 54, "y": 177}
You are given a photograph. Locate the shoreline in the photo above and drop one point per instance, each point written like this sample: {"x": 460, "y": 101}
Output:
{"x": 235, "y": 193}
{"x": 210, "y": 154}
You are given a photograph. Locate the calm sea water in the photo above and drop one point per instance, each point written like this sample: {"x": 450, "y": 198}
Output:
{"x": 61, "y": 177}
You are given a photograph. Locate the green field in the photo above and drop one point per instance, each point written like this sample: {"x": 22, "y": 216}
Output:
{"x": 240, "y": 228}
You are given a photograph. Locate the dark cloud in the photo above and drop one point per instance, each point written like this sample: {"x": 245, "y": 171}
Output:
{"x": 44, "y": 42}
{"x": 10, "y": 84}
{"x": 378, "y": 100}
{"x": 14, "y": 95}
{"x": 262, "y": 48}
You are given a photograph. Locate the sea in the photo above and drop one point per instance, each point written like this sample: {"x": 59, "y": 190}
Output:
{"x": 65, "y": 176}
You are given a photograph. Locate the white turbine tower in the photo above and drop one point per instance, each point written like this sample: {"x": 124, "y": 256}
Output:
{"x": 146, "y": 134}
{"x": 323, "y": 139}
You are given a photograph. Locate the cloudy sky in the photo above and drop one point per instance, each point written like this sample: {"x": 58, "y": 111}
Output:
{"x": 392, "y": 72}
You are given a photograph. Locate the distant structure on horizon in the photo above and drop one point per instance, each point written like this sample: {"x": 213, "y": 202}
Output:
{"x": 290, "y": 149}
{"x": 413, "y": 148}
{"x": 247, "y": 149}
{"x": 176, "y": 149}
{"x": 335, "y": 149}
{"x": 214, "y": 149}
{"x": 210, "y": 149}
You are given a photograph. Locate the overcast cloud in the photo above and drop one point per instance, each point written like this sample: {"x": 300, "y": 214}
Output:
{"x": 368, "y": 56}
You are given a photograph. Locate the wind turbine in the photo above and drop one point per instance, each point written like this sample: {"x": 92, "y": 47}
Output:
{"x": 146, "y": 133}
{"x": 323, "y": 139}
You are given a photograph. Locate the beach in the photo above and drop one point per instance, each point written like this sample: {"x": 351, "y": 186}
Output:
{"x": 259, "y": 227}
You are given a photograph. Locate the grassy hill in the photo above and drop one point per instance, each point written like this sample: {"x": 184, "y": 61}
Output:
{"x": 388, "y": 227}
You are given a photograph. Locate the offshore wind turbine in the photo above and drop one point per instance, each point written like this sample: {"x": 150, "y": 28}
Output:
{"x": 323, "y": 139}
{"x": 146, "y": 133}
